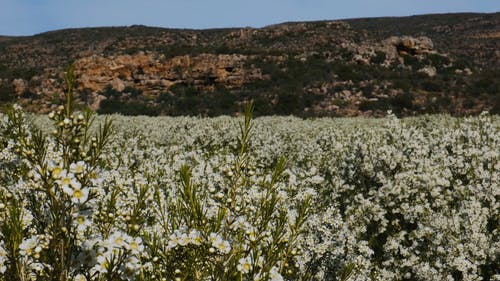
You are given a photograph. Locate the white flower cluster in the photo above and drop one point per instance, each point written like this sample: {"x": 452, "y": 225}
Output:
{"x": 3, "y": 258}
{"x": 410, "y": 199}
{"x": 118, "y": 250}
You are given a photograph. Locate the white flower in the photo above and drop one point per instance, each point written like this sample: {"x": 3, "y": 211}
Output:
{"x": 3, "y": 258}
{"x": 135, "y": 245}
{"x": 195, "y": 237}
{"x": 245, "y": 265}
{"x": 222, "y": 245}
{"x": 79, "y": 277}
{"x": 82, "y": 221}
{"x": 78, "y": 167}
{"x": 212, "y": 237}
{"x": 27, "y": 247}
{"x": 275, "y": 275}
{"x": 184, "y": 239}
{"x": 117, "y": 239}
{"x": 102, "y": 264}
{"x": 78, "y": 195}
{"x": 173, "y": 241}
{"x": 56, "y": 172}
{"x": 252, "y": 234}
{"x": 67, "y": 181}
{"x": 219, "y": 243}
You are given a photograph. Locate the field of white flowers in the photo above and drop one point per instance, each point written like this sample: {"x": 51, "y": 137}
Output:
{"x": 275, "y": 198}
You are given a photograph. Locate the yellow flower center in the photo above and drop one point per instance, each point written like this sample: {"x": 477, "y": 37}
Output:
{"x": 78, "y": 194}
{"x": 65, "y": 181}
{"x": 80, "y": 220}
{"x": 79, "y": 169}
{"x": 56, "y": 172}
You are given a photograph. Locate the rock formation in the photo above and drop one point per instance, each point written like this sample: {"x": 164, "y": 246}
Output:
{"x": 406, "y": 45}
{"x": 153, "y": 73}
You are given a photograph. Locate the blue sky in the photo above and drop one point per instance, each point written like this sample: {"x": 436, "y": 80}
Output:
{"x": 27, "y": 17}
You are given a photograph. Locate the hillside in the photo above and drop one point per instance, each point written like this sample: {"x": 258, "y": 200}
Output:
{"x": 411, "y": 65}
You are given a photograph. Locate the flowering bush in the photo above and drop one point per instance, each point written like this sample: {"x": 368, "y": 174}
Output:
{"x": 199, "y": 199}
{"x": 74, "y": 209}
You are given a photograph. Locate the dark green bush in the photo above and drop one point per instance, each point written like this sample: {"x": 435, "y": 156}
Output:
{"x": 413, "y": 62}
{"x": 400, "y": 102}
{"x": 132, "y": 91}
{"x": 7, "y": 93}
{"x": 438, "y": 60}
{"x": 127, "y": 108}
{"x": 431, "y": 85}
{"x": 379, "y": 58}
{"x": 485, "y": 82}
{"x": 374, "y": 105}
{"x": 109, "y": 92}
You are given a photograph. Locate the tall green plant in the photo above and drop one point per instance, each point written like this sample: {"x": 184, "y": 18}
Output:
{"x": 40, "y": 226}
{"x": 245, "y": 236}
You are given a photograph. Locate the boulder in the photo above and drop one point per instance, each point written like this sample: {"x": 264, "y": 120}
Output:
{"x": 95, "y": 105}
{"x": 20, "y": 85}
{"x": 407, "y": 45}
{"x": 425, "y": 44}
{"x": 117, "y": 85}
{"x": 428, "y": 70}
{"x": 408, "y": 42}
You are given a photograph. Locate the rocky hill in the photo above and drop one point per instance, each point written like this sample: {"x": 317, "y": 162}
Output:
{"x": 411, "y": 65}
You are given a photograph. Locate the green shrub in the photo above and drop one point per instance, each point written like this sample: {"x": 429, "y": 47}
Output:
{"x": 379, "y": 58}
{"x": 7, "y": 93}
{"x": 127, "y": 108}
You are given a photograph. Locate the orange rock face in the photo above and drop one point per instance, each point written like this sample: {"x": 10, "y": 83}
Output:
{"x": 153, "y": 73}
